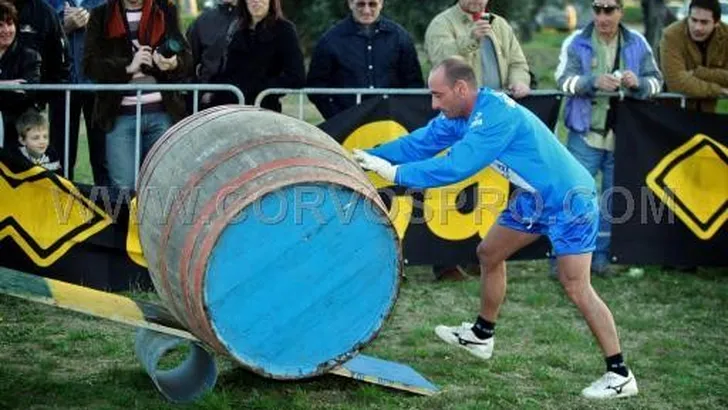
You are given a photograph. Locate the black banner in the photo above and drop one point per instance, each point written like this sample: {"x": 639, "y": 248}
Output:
{"x": 51, "y": 227}
{"x": 670, "y": 202}
{"x": 444, "y": 225}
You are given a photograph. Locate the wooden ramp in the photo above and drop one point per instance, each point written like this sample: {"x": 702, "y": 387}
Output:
{"x": 163, "y": 332}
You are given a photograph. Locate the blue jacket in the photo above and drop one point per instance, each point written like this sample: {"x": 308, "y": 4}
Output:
{"x": 574, "y": 73}
{"x": 499, "y": 133}
{"x": 76, "y": 38}
{"x": 347, "y": 58}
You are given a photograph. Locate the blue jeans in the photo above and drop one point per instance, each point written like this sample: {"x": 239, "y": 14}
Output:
{"x": 595, "y": 160}
{"x": 120, "y": 144}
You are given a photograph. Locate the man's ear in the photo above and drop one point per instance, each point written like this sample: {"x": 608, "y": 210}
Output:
{"x": 461, "y": 87}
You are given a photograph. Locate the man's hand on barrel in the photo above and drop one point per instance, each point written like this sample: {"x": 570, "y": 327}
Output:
{"x": 371, "y": 163}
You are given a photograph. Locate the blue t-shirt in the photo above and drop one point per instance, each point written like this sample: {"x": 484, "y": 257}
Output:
{"x": 499, "y": 133}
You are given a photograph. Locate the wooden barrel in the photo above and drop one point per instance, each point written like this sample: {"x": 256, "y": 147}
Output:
{"x": 267, "y": 241}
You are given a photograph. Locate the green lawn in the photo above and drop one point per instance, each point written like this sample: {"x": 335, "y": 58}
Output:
{"x": 673, "y": 328}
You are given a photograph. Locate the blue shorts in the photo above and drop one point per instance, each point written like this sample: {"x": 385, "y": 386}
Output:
{"x": 572, "y": 229}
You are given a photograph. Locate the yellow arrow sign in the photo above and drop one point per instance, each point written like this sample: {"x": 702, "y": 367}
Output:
{"x": 45, "y": 214}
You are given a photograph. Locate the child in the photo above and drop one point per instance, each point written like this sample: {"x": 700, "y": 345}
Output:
{"x": 32, "y": 130}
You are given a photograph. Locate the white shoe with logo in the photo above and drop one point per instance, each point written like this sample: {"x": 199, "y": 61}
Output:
{"x": 612, "y": 386}
{"x": 462, "y": 336}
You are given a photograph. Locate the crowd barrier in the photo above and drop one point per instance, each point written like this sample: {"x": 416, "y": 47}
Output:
{"x": 385, "y": 92}
{"x": 301, "y": 94}
{"x": 138, "y": 88}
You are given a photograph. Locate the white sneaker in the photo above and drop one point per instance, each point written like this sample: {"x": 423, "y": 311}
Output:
{"x": 612, "y": 386}
{"x": 463, "y": 337}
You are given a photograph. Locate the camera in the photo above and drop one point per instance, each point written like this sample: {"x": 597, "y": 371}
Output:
{"x": 168, "y": 48}
{"x": 487, "y": 17}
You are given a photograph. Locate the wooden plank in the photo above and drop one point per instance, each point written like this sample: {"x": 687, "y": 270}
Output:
{"x": 91, "y": 302}
{"x": 385, "y": 373}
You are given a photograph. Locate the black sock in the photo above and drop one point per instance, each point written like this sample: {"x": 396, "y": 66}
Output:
{"x": 482, "y": 329}
{"x": 616, "y": 364}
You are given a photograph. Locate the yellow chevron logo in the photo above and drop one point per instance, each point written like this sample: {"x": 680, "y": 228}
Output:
{"x": 45, "y": 214}
{"x": 692, "y": 181}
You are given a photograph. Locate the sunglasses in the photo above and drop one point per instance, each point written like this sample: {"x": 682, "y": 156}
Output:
{"x": 363, "y": 4}
{"x": 604, "y": 8}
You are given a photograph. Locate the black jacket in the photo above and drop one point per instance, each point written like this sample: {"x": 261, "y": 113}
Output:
{"x": 17, "y": 62}
{"x": 267, "y": 57}
{"x": 346, "y": 57}
{"x": 39, "y": 28}
{"x": 207, "y": 40}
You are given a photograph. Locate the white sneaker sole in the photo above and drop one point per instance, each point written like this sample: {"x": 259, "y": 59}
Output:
{"x": 617, "y": 396}
{"x": 444, "y": 333}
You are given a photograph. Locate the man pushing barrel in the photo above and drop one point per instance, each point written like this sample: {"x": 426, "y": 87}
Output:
{"x": 557, "y": 198}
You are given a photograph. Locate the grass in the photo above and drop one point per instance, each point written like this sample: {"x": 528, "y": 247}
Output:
{"x": 673, "y": 328}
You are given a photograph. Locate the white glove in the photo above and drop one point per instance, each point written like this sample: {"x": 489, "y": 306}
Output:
{"x": 376, "y": 164}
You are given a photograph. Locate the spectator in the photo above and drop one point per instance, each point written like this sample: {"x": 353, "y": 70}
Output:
{"x": 18, "y": 65}
{"x": 136, "y": 42}
{"x": 34, "y": 148}
{"x": 263, "y": 53}
{"x": 364, "y": 50}
{"x": 694, "y": 55}
{"x": 208, "y": 41}
{"x": 74, "y": 15}
{"x": 40, "y": 29}
{"x": 603, "y": 56}
{"x": 485, "y": 40}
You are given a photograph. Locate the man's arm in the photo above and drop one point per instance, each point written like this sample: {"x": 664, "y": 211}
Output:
{"x": 422, "y": 143}
{"x": 679, "y": 79}
{"x": 477, "y": 149}
{"x": 441, "y": 42}
{"x": 649, "y": 79}
{"x": 569, "y": 77}
{"x": 712, "y": 75}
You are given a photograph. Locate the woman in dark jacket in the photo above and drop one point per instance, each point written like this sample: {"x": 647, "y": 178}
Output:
{"x": 263, "y": 53}
{"x": 18, "y": 65}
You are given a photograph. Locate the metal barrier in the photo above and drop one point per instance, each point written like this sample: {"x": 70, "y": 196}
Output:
{"x": 301, "y": 92}
{"x": 139, "y": 88}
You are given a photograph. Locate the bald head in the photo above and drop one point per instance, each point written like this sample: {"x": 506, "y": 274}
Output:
{"x": 456, "y": 68}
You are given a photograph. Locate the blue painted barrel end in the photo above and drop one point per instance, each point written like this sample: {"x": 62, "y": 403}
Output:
{"x": 301, "y": 279}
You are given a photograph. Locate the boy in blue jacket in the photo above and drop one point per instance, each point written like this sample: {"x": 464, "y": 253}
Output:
{"x": 556, "y": 198}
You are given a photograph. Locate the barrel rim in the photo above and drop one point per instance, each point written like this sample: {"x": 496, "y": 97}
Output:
{"x": 218, "y": 226}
